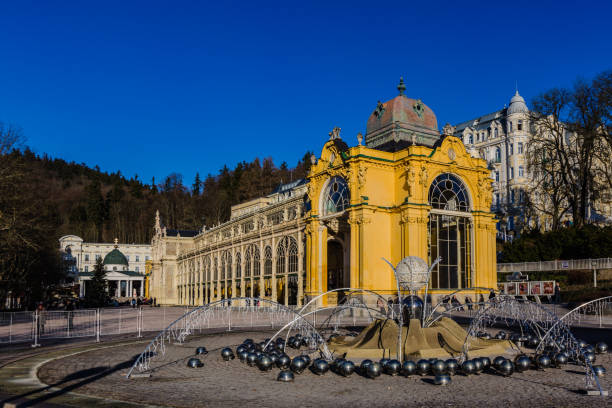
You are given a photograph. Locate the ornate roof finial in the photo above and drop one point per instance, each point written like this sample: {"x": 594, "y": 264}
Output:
{"x": 359, "y": 138}
{"x": 116, "y": 243}
{"x": 335, "y": 133}
{"x": 401, "y": 87}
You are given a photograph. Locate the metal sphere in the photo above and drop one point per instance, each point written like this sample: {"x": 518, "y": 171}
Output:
{"x": 251, "y": 359}
{"x": 363, "y": 368}
{"x": 423, "y": 367}
{"x": 506, "y": 368}
{"x": 347, "y": 368}
{"x": 442, "y": 379}
{"x": 227, "y": 354}
{"x": 438, "y": 368}
{"x": 320, "y": 366}
{"x": 258, "y": 346}
{"x": 264, "y": 362}
{"x": 468, "y": 367}
{"x": 412, "y": 308}
{"x": 501, "y": 334}
{"x": 201, "y": 350}
{"x": 283, "y": 362}
{"x": 599, "y": 370}
{"x": 478, "y": 367}
{"x": 335, "y": 365}
{"x": 486, "y": 363}
{"x": 589, "y": 357}
{"x": 248, "y": 341}
{"x": 582, "y": 343}
{"x": 240, "y": 348}
{"x": 374, "y": 370}
{"x": 285, "y": 376}
{"x": 560, "y": 359}
{"x": 497, "y": 361}
{"x": 409, "y": 368}
{"x": 305, "y": 341}
{"x": 412, "y": 273}
{"x": 451, "y": 366}
{"x": 543, "y": 362}
{"x": 393, "y": 367}
{"x": 601, "y": 347}
{"x": 383, "y": 362}
{"x": 194, "y": 363}
{"x": 532, "y": 342}
{"x": 306, "y": 359}
{"x": 298, "y": 365}
{"x": 589, "y": 349}
{"x": 522, "y": 363}
{"x": 243, "y": 355}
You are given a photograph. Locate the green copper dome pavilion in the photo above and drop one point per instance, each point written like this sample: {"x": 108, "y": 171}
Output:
{"x": 115, "y": 257}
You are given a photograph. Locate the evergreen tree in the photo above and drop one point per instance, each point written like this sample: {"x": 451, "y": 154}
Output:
{"x": 197, "y": 185}
{"x": 96, "y": 294}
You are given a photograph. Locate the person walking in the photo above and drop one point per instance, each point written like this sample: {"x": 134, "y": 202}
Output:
{"x": 40, "y": 312}
{"x": 557, "y": 293}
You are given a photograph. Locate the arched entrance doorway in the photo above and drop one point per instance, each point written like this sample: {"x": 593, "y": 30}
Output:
{"x": 335, "y": 265}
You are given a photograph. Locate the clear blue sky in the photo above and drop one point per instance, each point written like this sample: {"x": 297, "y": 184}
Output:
{"x": 151, "y": 88}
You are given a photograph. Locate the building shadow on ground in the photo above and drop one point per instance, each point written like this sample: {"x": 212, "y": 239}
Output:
{"x": 68, "y": 384}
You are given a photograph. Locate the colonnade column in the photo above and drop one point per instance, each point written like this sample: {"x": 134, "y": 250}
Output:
{"x": 300, "y": 271}
{"x": 274, "y": 260}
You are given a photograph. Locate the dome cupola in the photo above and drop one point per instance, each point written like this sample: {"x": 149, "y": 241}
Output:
{"x": 517, "y": 104}
{"x": 401, "y": 121}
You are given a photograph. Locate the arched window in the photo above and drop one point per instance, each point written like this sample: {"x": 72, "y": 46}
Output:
{"x": 286, "y": 256}
{"x": 268, "y": 261}
{"x": 293, "y": 255}
{"x": 497, "y": 154}
{"x": 281, "y": 256}
{"x": 336, "y": 196}
{"x": 251, "y": 261}
{"x": 496, "y": 132}
{"x": 450, "y": 233}
{"x": 447, "y": 192}
{"x": 207, "y": 268}
{"x": 223, "y": 265}
{"x": 471, "y": 138}
{"x": 238, "y": 265}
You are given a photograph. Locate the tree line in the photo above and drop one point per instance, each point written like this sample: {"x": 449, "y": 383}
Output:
{"x": 44, "y": 198}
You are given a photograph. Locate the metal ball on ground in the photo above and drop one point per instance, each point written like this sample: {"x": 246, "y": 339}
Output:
{"x": 423, "y": 367}
{"x": 347, "y": 368}
{"x": 374, "y": 370}
{"x": 363, "y": 368}
{"x": 201, "y": 350}
{"x": 285, "y": 376}
{"x": 506, "y": 368}
{"x": 251, "y": 359}
{"x": 283, "y": 362}
{"x": 542, "y": 362}
{"x": 601, "y": 347}
{"x": 306, "y": 359}
{"x": 248, "y": 341}
{"x": 243, "y": 355}
{"x": 227, "y": 354}
{"x": 522, "y": 363}
{"x": 438, "y": 368}
{"x": 320, "y": 366}
{"x": 264, "y": 362}
{"x": 497, "y": 361}
{"x": 589, "y": 357}
{"x": 478, "y": 367}
{"x": 599, "y": 370}
{"x": 442, "y": 379}
{"x": 335, "y": 365}
{"x": 486, "y": 363}
{"x": 298, "y": 365}
{"x": 468, "y": 367}
{"x": 451, "y": 366}
{"x": 194, "y": 363}
{"x": 409, "y": 368}
{"x": 582, "y": 343}
{"x": 589, "y": 349}
{"x": 383, "y": 362}
{"x": 393, "y": 367}
{"x": 532, "y": 342}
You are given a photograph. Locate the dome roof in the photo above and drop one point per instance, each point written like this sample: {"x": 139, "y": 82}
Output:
{"x": 401, "y": 119}
{"x": 115, "y": 257}
{"x": 517, "y": 104}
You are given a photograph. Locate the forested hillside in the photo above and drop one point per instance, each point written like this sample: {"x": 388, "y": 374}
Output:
{"x": 98, "y": 206}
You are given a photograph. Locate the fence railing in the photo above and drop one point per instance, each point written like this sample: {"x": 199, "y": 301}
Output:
{"x": 572, "y": 264}
{"x": 34, "y": 327}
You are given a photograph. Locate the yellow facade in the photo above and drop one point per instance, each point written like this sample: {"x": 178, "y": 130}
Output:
{"x": 389, "y": 212}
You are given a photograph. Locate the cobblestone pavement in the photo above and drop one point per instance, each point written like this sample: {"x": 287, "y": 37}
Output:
{"x": 232, "y": 384}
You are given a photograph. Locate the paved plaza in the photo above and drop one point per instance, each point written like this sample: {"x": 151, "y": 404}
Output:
{"x": 94, "y": 375}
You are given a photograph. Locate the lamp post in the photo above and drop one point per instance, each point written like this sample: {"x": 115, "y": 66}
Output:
{"x": 594, "y": 265}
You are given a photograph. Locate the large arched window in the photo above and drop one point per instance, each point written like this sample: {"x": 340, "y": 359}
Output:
{"x": 251, "y": 261}
{"x": 335, "y": 196}
{"x": 238, "y": 265}
{"x": 447, "y": 192}
{"x": 268, "y": 261}
{"x": 497, "y": 154}
{"x": 450, "y": 233}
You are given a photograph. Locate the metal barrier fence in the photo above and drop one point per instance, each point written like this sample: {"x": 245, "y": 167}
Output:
{"x": 571, "y": 264}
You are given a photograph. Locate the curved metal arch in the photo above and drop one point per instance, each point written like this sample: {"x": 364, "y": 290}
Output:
{"x": 567, "y": 316}
{"x": 511, "y": 308}
{"x": 430, "y": 322}
{"x": 179, "y": 333}
{"x": 338, "y": 290}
